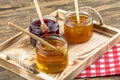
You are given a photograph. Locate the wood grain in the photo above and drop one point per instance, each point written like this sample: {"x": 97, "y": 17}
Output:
{"x": 21, "y": 11}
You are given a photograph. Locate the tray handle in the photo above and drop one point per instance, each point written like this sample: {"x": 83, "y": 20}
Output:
{"x": 94, "y": 11}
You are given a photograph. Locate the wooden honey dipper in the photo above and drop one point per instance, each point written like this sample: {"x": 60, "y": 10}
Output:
{"x": 31, "y": 35}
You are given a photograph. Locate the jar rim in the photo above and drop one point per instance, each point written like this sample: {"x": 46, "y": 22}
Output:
{"x": 50, "y": 17}
{"x": 53, "y": 36}
{"x": 81, "y": 13}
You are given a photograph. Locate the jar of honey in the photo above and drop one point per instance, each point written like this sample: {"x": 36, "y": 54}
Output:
{"x": 75, "y": 32}
{"x": 52, "y": 60}
{"x": 35, "y": 27}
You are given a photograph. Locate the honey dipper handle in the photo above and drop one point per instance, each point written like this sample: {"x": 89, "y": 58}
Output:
{"x": 31, "y": 35}
{"x": 38, "y": 11}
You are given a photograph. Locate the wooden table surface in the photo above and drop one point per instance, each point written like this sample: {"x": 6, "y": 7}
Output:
{"x": 21, "y": 11}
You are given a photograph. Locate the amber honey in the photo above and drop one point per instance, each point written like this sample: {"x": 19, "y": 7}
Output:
{"x": 50, "y": 60}
{"x": 78, "y": 32}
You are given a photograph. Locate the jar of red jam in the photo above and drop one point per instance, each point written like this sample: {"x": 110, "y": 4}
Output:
{"x": 35, "y": 24}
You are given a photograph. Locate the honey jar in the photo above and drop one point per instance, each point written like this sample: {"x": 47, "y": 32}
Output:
{"x": 78, "y": 32}
{"x": 51, "y": 60}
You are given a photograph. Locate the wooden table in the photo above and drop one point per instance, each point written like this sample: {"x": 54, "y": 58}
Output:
{"x": 21, "y": 11}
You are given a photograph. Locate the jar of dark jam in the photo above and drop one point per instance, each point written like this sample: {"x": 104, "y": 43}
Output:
{"x": 35, "y": 24}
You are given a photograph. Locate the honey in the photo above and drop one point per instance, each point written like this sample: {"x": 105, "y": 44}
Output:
{"x": 50, "y": 60}
{"x": 78, "y": 32}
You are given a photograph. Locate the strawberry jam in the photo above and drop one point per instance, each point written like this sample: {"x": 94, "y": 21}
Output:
{"x": 35, "y": 24}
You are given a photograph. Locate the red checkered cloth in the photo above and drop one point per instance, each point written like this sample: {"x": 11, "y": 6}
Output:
{"x": 108, "y": 64}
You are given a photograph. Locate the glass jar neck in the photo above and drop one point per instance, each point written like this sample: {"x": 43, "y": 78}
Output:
{"x": 85, "y": 17}
{"x": 54, "y": 39}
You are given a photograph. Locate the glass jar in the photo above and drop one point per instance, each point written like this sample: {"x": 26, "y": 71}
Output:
{"x": 52, "y": 60}
{"x": 78, "y": 32}
{"x": 35, "y": 24}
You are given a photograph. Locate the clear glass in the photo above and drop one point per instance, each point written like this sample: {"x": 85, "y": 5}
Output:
{"x": 52, "y": 60}
{"x": 35, "y": 23}
{"x": 78, "y": 33}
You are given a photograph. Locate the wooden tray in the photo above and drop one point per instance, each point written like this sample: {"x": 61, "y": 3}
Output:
{"x": 80, "y": 55}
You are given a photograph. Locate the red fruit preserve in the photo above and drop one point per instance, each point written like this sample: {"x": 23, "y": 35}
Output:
{"x": 35, "y": 24}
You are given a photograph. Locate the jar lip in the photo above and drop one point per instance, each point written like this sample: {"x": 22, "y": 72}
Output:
{"x": 81, "y": 12}
{"x": 50, "y": 17}
{"x": 53, "y": 36}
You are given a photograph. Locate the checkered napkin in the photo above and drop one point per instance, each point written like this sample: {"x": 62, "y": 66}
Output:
{"x": 108, "y": 64}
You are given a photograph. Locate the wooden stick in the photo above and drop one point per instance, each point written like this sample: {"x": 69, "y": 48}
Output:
{"x": 43, "y": 25}
{"x": 31, "y": 35}
{"x": 77, "y": 11}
